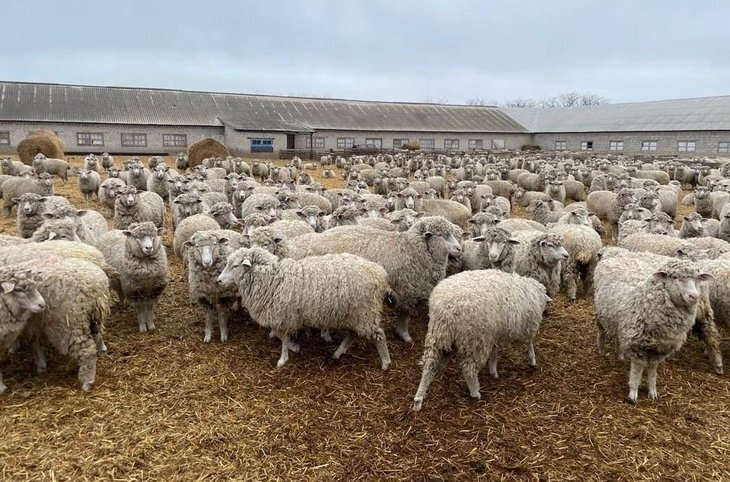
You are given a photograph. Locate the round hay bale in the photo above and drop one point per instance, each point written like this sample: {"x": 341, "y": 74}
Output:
{"x": 44, "y": 142}
{"x": 205, "y": 149}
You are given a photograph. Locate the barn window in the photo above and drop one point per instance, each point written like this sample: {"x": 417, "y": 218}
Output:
{"x": 374, "y": 142}
{"x": 586, "y": 145}
{"x": 561, "y": 145}
{"x": 398, "y": 143}
{"x": 686, "y": 146}
{"x": 723, "y": 146}
{"x": 345, "y": 142}
{"x": 318, "y": 142}
{"x": 648, "y": 145}
{"x": 615, "y": 145}
{"x": 451, "y": 143}
{"x": 427, "y": 143}
{"x": 262, "y": 145}
{"x": 476, "y": 143}
{"x": 134, "y": 140}
{"x": 4, "y": 138}
{"x": 174, "y": 140}
{"x": 89, "y": 138}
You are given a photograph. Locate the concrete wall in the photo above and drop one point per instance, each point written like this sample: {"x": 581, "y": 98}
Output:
{"x": 706, "y": 141}
{"x": 239, "y": 142}
{"x": 112, "y": 136}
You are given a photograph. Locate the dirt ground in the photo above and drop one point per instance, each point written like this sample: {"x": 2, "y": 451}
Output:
{"x": 166, "y": 406}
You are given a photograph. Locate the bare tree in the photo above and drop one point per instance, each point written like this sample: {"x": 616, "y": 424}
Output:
{"x": 568, "y": 99}
{"x": 434, "y": 100}
{"x": 478, "y": 101}
{"x": 521, "y": 102}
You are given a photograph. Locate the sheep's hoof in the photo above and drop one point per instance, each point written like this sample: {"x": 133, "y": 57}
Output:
{"x": 2, "y": 388}
{"x": 41, "y": 369}
{"x": 653, "y": 395}
{"x": 150, "y": 326}
{"x": 405, "y": 336}
{"x": 494, "y": 374}
{"x": 280, "y": 363}
{"x": 385, "y": 366}
{"x": 633, "y": 395}
{"x": 87, "y": 386}
{"x": 476, "y": 395}
{"x": 417, "y": 404}
{"x": 294, "y": 347}
{"x": 142, "y": 328}
{"x": 208, "y": 338}
{"x": 224, "y": 337}
{"x": 719, "y": 370}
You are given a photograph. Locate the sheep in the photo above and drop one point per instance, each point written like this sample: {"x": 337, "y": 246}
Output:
{"x": 415, "y": 260}
{"x": 14, "y": 188}
{"x": 471, "y": 314}
{"x": 493, "y": 249}
{"x": 711, "y": 227}
{"x": 542, "y": 212}
{"x": 188, "y": 227}
{"x": 223, "y": 215}
{"x": 575, "y": 217}
{"x": 454, "y": 212}
{"x": 185, "y": 205}
{"x": 661, "y": 223}
{"x": 539, "y": 256}
{"x": 137, "y": 176}
{"x": 488, "y": 200}
{"x": 91, "y": 163}
{"x": 19, "y": 299}
{"x": 575, "y": 190}
{"x": 409, "y": 198}
{"x": 713, "y": 247}
{"x": 609, "y": 206}
{"x": 500, "y": 188}
{"x": 207, "y": 255}
{"x": 516, "y": 224}
{"x": 691, "y": 226}
{"x": 12, "y": 168}
{"x": 55, "y": 167}
{"x": 647, "y": 311}
{"x": 523, "y": 198}
{"x": 481, "y": 222}
{"x": 556, "y": 190}
{"x": 107, "y": 193}
{"x": 350, "y": 292}
{"x": 88, "y": 184}
{"x": 583, "y": 245}
{"x": 158, "y": 181}
{"x": 132, "y": 206}
{"x": 292, "y": 229}
{"x": 668, "y": 202}
{"x": 139, "y": 257}
{"x": 260, "y": 203}
{"x": 107, "y": 161}
{"x": 347, "y": 215}
{"x": 703, "y": 202}
{"x": 74, "y": 319}
{"x": 56, "y": 230}
{"x": 31, "y": 208}
{"x": 635, "y": 212}
{"x": 439, "y": 185}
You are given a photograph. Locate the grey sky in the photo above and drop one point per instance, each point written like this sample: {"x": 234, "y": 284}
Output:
{"x": 408, "y": 50}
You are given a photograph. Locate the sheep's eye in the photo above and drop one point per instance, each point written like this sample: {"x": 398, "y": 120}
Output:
{"x": 20, "y": 294}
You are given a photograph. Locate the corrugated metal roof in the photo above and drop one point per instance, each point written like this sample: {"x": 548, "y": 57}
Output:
{"x": 116, "y": 105}
{"x": 699, "y": 114}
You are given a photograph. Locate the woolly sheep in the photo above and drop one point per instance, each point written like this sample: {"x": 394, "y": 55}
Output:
{"x": 556, "y": 190}
{"x": 415, "y": 260}
{"x": 493, "y": 249}
{"x": 454, "y": 212}
{"x": 347, "y": 215}
{"x": 471, "y": 314}
{"x": 609, "y": 206}
{"x": 56, "y": 230}
{"x": 350, "y": 292}
{"x": 159, "y": 180}
{"x": 583, "y": 245}
{"x": 539, "y": 256}
{"x": 14, "y": 188}
{"x": 188, "y": 227}
{"x": 647, "y": 311}
{"x": 223, "y": 214}
{"x": 185, "y": 205}
{"x": 140, "y": 259}
{"x": 692, "y": 226}
{"x": 91, "y": 163}
{"x": 137, "y": 176}
{"x": 133, "y": 206}
{"x": 31, "y": 208}
{"x": 108, "y": 190}
{"x": 516, "y": 224}
{"x": 90, "y": 225}
{"x": 260, "y": 203}
{"x": 523, "y": 198}
{"x": 55, "y": 167}
{"x": 88, "y": 183}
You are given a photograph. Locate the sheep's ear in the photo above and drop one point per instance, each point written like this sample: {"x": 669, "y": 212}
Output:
{"x": 82, "y": 212}
{"x": 188, "y": 244}
{"x": 471, "y": 221}
{"x": 52, "y": 236}
{"x": 705, "y": 277}
{"x": 127, "y": 232}
{"x": 660, "y": 275}
{"x": 246, "y": 262}
{"x": 478, "y": 239}
{"x": 47, "y": 215}
{"x": 198, "y": 201}
{"x": 513, "y": 241}
{"x": 16, "y": 200}
{"x": 278, "y": 240}
{"x": 7, "y": 286}
{"x": 427, "y": 234}
{"x": 686, "y": 218}
{"x": 223, "y": 240}
{"x": 420, "y": 215}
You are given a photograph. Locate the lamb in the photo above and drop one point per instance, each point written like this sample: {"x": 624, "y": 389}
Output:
{"x": 583, "y": 245}
{"x": 139, "y": 257}
{"x": 488, "y": 200}
{"x": 454, "y": 212}
{"x": 88, "y": 183}
{"x": 494, "y": 249}
{"x": 14, "y": 188}
{"x": 55, "y": 167}
{"x": 646, "y": 311}
{"x": 207, "y": 255}
{"x": 31, "y": 208}
{"x": 132, "y": 206}
{"x": 74, "y": 319}
{"x": 609, "y": 206}
{"x": 415, "y": 260}
{"x": 350, "y": 293}
{"x": 471, "y": 314}
{"x": 539, "y": 256}
{"x": 19, "y": 299}
{"x": 188, "y": 227}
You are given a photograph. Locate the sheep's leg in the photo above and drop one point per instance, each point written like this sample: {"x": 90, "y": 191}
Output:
{"x": 471, "y": 377}
{"x": 651, "y": 379}
{"x": 600, "y": 340}
{"x": 382, "y": 347}
{"x": 706, "y": 330}
{"x": 223, "y": 316}
{"x": 531, "y": 355}
{"x": 101, "y": 348}
{"x": 86, "y": 356}
{"x": 614, "y": 231}
{"x": 325, "y": 334}
{"x": 430, "y": 367}
{"x": 39, "y": 357}
{"x": 401, "y": 328}
{"x": 284, "y": 351}
{"x": 637, "y": 369}
{"x": 344, "y": 346}
{"x": 3, "y": 387}
{"x": 493, "y": 362}
{"x": 150, "y": 314}
{"x": 210, "y": 318}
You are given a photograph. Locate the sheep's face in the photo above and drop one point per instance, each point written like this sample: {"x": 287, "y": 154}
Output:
{"x": 404, "y": 219}
{"x": 143, "y": 239}
{"x": 128, "y": 197}
{"x": 206, "y": 249}
{"x": 84, "y": 174}
{"x": 556, "y": 186}
{"x": 161, "y": 171}
{"x": 21, "y": 295}
{"x": 579, "y": 217}
{"x": 552, "y": 250}
{"x": 693, "y": 223}
{"x": 649, "y": 201}
{"x": 223, "y": 214}
{"x": 239, "y": 263}
{"x": 112, "y": 171}
{"x": 681, "y": 285}
{"x": 189, "y": 205}
{"x": 496, "y": 243}
{"x": 91, "y": 162}
{"x": 136, "y": 170}
{"x": 46, "y": 180}
{"x": 264, "y": 238}
{"x": 701, "y": 192}
{"x": 267, "y": 208}
{"x": 312, "y": 215}
{"x": 401, "y": 184}
{"x": 63, "y": 232}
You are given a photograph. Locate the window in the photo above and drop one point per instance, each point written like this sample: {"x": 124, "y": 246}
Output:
{"x": 345, "y": 142}
{"x": 451, "y": 143}
{"x": 398, "y": 143}
{"x": 723, "y": 146}
{"x": 561, "y": 145}
{"x": 615, "y": 145}
{"x": 90, "y": 139}
{"x": 373, "y": 142}
{"x": 476, "y": 143}
{"x": 497, "y": 143}
{"x": 174, "y": 140}
{"x": 134, "y": 140}
{"x": 686, "y": 146}
{"x": 648, "y": 145}
{"x": 586, "y": 145}
{"x": 427, "y": 143}
{"x": 318, "y": 142}
{"x": 262, "y": 145}
{"x": 4, "y": 138}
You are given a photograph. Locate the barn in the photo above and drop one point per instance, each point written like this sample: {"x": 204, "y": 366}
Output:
{"x": 164, "y": 121}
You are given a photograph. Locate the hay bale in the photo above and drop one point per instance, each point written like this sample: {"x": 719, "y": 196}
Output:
{"x": 44, "y": 142}
{"x": 204, "y": 149}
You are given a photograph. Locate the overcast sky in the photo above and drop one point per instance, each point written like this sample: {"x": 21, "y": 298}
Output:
{"x": 411, "y": 50}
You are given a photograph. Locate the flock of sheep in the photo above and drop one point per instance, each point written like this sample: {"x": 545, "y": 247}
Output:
{"x": 272, "y": 244}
